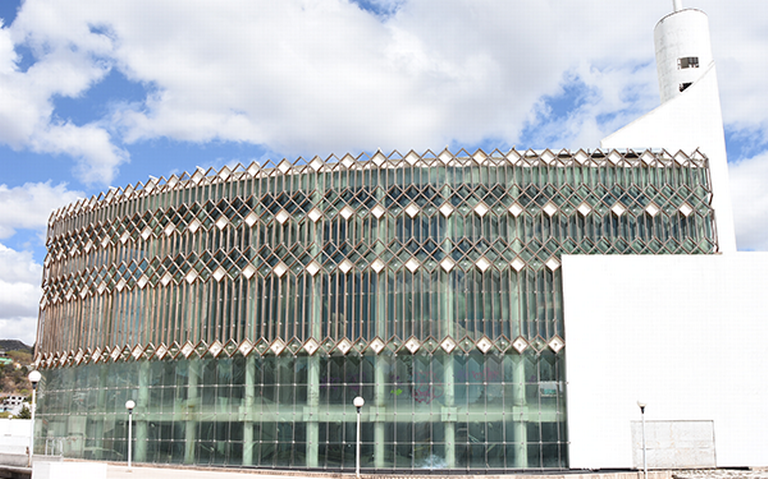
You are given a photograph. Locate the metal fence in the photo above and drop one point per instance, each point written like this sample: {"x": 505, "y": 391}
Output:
{"x": 674, "y": 444}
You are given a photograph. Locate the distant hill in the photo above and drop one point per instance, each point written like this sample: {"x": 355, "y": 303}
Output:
{"x": 14, "y": 345}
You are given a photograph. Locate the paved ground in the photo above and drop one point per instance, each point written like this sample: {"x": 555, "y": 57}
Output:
{"x": 722, "y": 474}
{"x": 122, "y": 472}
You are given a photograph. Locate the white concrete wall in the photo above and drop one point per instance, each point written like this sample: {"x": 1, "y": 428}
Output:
{"x": 686, "y": 334}
{"x": 14, "y": 435}
{"x": 69, "y": 470}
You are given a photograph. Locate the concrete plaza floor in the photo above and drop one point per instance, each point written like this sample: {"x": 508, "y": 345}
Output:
{"x": 115, "y": 471}
{"x": 121, "y": 472}
{"x": 142, "y": 472}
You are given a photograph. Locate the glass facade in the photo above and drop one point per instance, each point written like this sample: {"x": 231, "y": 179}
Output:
{"x": 244, "y": 309}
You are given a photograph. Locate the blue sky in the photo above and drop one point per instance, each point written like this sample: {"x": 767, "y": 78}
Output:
{"x": 98, "y": 94}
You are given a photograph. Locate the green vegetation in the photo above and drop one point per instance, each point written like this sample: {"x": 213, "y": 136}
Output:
{"x": 13, "y": 380}
{"x": 14, "y": 345}
{"x": 25, "y": 413}
{"x": 23, "y": 357}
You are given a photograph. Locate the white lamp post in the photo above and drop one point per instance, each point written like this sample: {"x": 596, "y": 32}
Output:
{"x": 645, "y": 461}
{"x": 129, "y": 405}
{"x": 358, "y": 402}
{"x": 34, "y": 377}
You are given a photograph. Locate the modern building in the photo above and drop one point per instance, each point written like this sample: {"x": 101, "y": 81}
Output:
{"x": 243, "y": 309}
{"x": 13, "y": 404}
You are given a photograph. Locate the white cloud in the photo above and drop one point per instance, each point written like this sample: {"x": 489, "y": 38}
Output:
{"x": 750, "y": 202}
{"x": 30, "y": 205}
{"x": 7, "y": 54}
{"x": 91, "y": 146}
{"x": 309, "y": 77}
{"x": 23, "y": 329}
{"x": 65, "y": 67}
{"x": 739, "y": 39}
{"x": 306, "y": 77}
{"x": 20, "y": 279}
{"x": 24, "y": 207}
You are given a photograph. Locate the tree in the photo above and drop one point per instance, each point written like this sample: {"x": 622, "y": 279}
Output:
{"x": 24, "y": 413}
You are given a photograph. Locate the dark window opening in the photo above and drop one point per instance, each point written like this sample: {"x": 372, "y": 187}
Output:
{"x": 684, "y": 86}
{"x": 688, "y": 62}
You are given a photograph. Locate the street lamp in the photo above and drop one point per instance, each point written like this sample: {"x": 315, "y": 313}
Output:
{"x": 129, "y": 405}
{"x": 358, "y": 402}
{"x": 34, "y": 377}
{"x": 645, "y": 461}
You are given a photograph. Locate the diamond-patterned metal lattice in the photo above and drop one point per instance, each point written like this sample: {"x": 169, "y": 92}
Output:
{"x": 216, "y": 348}
{"x": 520, "y": 344}
{"x": 556, "y": 344}
{"x": 347, "y": 212}
{"x": 484, "y": 344}
{"x": 515, "y": 209}
{"x": 344, "y": 346}
{"x": 618, "y": 209}
{"x": 652, "y": 209}
{"x": 552, "y": 263}
{"x": 377, "y": 345}
{"x": 187, "y": 349}
{"x": 412, "y": 210}
{"x": 346, "y": 266}
{"x": 381, "y": 247}
{"x": 311, "y": 346}
{"x": 277, "y": 346}
{"x": 412, "y": 265}
{"x": 446, "y": 210}
{"x": 315, "y": 215}
{"x": 378, "y": 211}
{"x": 412, "y": 345}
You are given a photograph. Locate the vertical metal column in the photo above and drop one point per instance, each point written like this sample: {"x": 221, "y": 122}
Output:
{"x": 108, "y": 423}
{"x": 449, "y": 413}
{"x": 378, "y": 413}
{"x": 143, "y": 402}
{"x": 312, "y": 410}
{"x": 520, "y": 415}
{"x": 193, "y": 404}
{"x": 248, "y": 409}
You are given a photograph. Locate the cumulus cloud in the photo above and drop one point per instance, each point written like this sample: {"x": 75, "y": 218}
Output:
{"x": 23, "y": 329}
{"x": 24, "y": 207}
{"x": 30, "y": 205}
{"x": 20, "y": 292}
{"x": 749, "y": 178}
{"x": 19, "y": 286}
{"x": 97, "y": 158}
{"x": 7, "y": 53}
{"x": 67, "y": 67}
{"x": 303, "y": 77}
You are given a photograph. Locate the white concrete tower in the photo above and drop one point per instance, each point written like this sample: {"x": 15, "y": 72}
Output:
{"x": 683, "y": 50}
{"x": 689, "y": 117}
